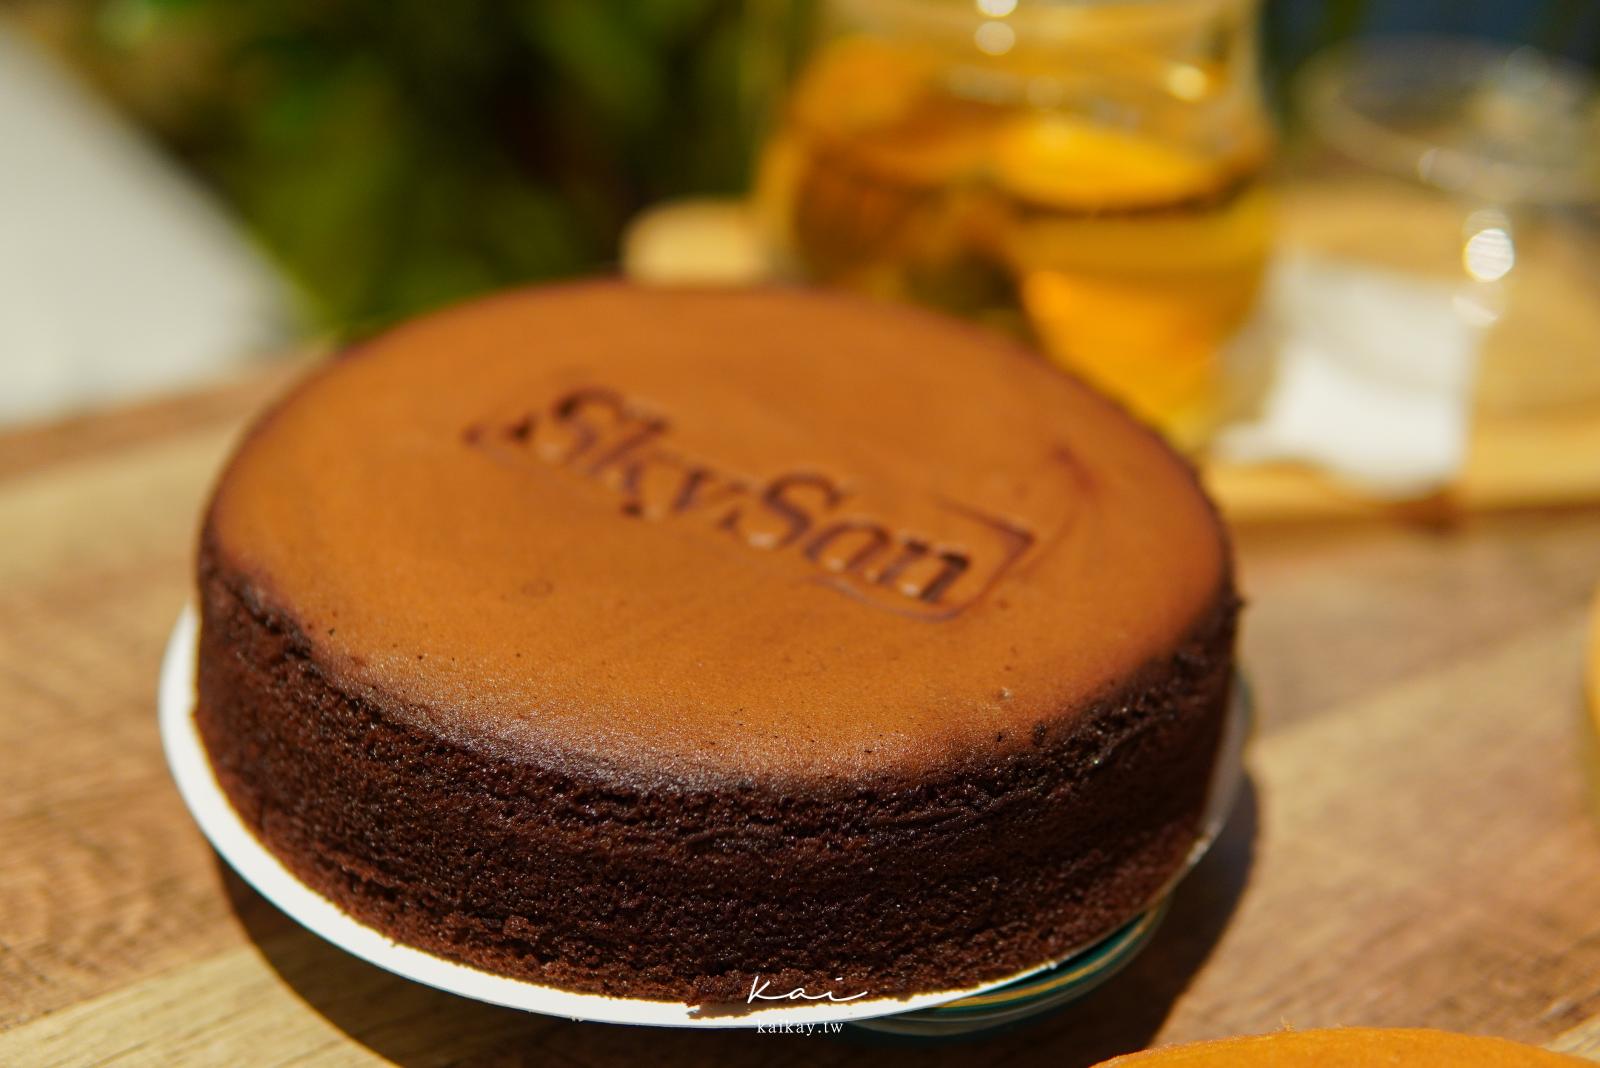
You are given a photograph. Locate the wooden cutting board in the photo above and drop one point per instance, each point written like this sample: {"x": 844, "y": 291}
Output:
{"x": 1511, "y": 463}
{"x": 1414, "y": 847}
{"x": 1547, "y": 455}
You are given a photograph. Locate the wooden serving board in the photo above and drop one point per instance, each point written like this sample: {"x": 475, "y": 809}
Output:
{"x": 1414, "y": 848}
{"x": 1542, "y": 455}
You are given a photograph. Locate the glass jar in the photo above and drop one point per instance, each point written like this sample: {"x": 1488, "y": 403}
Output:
{"x": 1475, "y": 167}
{"x": 1086, "y": 173}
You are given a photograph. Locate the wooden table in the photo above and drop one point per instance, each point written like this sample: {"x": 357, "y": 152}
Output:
{"x": 1414, "y": 848}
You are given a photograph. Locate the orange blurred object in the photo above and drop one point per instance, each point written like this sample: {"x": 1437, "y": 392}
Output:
{"x": 1350, "y": 1047}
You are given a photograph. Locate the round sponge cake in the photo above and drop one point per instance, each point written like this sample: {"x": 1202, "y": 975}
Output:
{"x": 649, "y": 641}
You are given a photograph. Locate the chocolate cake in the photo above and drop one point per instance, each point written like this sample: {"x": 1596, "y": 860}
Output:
{"x": 663, "y": 643}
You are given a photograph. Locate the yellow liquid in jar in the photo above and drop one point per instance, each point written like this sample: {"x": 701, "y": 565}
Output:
{"x": 1128, "y": 259}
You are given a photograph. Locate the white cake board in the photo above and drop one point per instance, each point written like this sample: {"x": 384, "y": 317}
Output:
{"x": 234, "y": 842}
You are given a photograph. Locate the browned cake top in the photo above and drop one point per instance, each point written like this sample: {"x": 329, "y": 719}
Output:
{"x": 719, "y": 533}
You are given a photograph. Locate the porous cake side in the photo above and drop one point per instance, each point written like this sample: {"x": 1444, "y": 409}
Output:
{"x": 536, "y": 869}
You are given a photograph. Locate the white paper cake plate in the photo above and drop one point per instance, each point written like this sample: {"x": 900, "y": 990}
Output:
{"x": 942, "y": 1012}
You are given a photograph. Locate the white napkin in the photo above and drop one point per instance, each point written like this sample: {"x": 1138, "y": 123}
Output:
{"x": 1371, "y": 378}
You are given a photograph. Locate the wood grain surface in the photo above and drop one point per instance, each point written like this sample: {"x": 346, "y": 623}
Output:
{"x": 1415, "y": 846}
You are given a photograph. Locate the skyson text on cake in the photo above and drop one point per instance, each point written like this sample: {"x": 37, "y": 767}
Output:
{"x": 601, "y": 435}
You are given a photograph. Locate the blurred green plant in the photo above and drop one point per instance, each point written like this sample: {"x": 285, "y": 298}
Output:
{"x": 397, "y": 155}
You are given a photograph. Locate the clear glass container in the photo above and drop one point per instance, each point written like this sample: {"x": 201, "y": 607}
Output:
{"x": 1475, "y": 165}
{"x": 1086, "y": 173}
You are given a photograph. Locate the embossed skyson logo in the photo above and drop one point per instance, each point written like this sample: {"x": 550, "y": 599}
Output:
{"x": 927, "y": 573}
